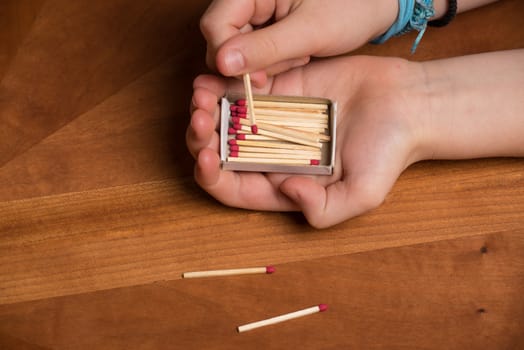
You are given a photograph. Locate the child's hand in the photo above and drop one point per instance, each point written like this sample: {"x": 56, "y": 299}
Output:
{"x": 301, "y": 29}
{"x": 378, "y": 133}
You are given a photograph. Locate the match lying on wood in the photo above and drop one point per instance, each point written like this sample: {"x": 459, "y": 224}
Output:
{"x": 282, "y": 318}
{"x": 301, "y": 128}
{"x": 229, "y": 272}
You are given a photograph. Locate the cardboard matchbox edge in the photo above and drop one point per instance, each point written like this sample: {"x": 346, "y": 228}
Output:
{"x": 327, "y": 161}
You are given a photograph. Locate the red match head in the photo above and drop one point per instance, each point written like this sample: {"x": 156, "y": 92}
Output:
{"x": 241, "y": 136}
{"x": 322, "y": 307}
{"x": 314, "y": 162}
{"x": 241, "y": 102}
{"x": 270, "y": 269}
{"x": 232, "y": 142}
{"x": 254, "y": 129}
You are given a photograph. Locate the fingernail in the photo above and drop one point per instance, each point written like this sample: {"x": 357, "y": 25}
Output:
{"x": 234, "y": 62}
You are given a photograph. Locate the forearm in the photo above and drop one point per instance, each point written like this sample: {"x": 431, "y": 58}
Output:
{"x": 475, "y": 106}
{"x": 386, "y": 12}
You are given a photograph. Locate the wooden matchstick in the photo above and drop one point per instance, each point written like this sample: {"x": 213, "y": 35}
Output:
{"x": 290, "y": 138}
{"x": 286, "y": 133}
{"x": 317, "y": 128}
{"x": 266, "y": 150}
{"x": 284, "y": 113}
{"x": 240, "y": 136}
{"x": 271, "y": 144}
{"x": 241, "y": 154}
{"x": 287, "y": 105}
{"x": 250, "y": 106}
{"x": 310, "y": 127}
{"x": 282, "y": 318}
{"x": 274, "y": 161}
{"x": 293, "y": 132}
{"x": 281, "y": 129}
{"x": 286, "y": 136}
{"x": 269, "y": 114}
{"x": 291, "y": 122}
{"x": 305, "y": 135}
{"x": 229, "y": 272}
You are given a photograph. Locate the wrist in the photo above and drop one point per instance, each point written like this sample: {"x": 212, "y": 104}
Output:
{"x": 385, "y": 14}
{"x": 440, "y": 7}
{"x": 473, "y": 106}
{"x": 430, "y": 96}
{"x": 414, "y": 101}
{"x": 405, "y": 101}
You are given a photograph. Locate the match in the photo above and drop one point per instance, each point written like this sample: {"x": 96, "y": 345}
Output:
{"x": 247, "y": 154}
{"x": 275, "y": 161}
{"x": 283, "y": 130}
{"x": 250, "y": 106}
{"x": 287, "y": 113}
{"x": 229, "y": 272}
{"x": 273, "y": 144}
{"x": 288, "y": 105}
{"x": 282, "y": 318}
{"x": 280, "y": 156}
{"x": 293, "y": 132}
{"x": 250, "y": 137}
{"x": 279, "y": 133}
{"x": 265, "y": 150}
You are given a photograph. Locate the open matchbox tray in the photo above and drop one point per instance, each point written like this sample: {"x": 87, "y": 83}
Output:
{"x": 327, "y": 150}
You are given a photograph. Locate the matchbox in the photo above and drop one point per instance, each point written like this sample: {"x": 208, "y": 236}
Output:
{"x": 293, "y": 134}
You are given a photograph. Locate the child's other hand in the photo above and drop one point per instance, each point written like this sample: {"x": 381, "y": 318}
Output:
{"x": 379, "y": 130}
{"x": 300, "y": 29}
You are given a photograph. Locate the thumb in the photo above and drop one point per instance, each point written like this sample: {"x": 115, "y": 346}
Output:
{"x": 285, "y": 44}
{"x": 328, "y": 206}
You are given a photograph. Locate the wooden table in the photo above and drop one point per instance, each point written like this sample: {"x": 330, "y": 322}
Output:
{"x": 99, "y": 214}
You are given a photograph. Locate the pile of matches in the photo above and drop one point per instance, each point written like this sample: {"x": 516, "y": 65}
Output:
{"x": 277, "y": 132}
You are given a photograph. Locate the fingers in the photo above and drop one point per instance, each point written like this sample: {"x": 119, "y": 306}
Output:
{"x": 225, "y": 19}
{"x": 212, "y": 83}
{"x": 204, "y": 114}
{"x": 201, "y": 133}
{"x": 286, "y": 65}
{"x": 266, "y": 47}
{"x": 242, "y": 190}
{"x": 205, "y": 110}
{"x": 327, "y": 206}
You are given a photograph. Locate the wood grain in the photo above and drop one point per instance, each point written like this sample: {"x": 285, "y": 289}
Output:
{"x": 459, "y": 294}
{"x": 128, "y": 138}
{"x": 107, "y": 46}
{"x": 16, "y": 20}
{"x": 99, "y": 214}
{"x": 135, "y": 234}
